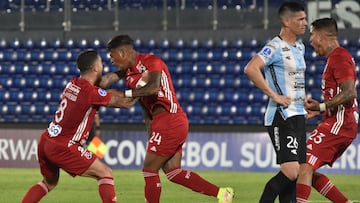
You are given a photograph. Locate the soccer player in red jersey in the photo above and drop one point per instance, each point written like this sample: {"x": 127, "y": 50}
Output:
{"x": 61, "y": 144}
{"x": 339, "y": 110}
{"x": 166, "y": 122}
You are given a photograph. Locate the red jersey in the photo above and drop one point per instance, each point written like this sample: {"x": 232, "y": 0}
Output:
{"x": 73, "y": 119}
{"x": 166, "y": 95}
{"x": 340, "y": 66}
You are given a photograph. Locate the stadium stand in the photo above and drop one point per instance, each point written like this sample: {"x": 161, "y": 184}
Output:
{"x": 209, "y": 79}
{"x": 207, "y": 71}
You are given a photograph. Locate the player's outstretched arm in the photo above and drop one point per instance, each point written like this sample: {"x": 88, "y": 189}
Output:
{"x": 118, "y": 99}
{"x": 111, "y": 78}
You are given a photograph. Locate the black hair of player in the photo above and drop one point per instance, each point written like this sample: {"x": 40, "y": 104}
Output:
{"x": 86, "y": 60}
{"x": 119, "y": 41}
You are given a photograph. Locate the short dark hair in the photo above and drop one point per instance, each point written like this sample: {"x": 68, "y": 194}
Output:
{"x": 118, "y": 41}
{"x": 328, "y": 25}
{"x": 290, "y": 6}
{"x": 86, "y": 60}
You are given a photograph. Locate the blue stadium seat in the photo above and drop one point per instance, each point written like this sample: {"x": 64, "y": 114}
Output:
{"x": 59, "y": 83}
{"x": 8, "y": 109}
{"x": 316, "y": 94}
{"x": 3, "y": 43}
{"x": 62, "y": 55}
{"x": 150, "y": 44}
{"x": 215, "y": 54}
{"x": 10, "y": 55}
{"x": 97, "y": 44}
{"x": 254, "y": 44}
{"x": 29, "y": 96}
{"x": 171, "y": 55}
{"x": 70, "y": 43}
{"x": 245, "y": 82}
{"x": 15, "y": 44}
{"x": 138, "y": 43}
{"x": 182, "y": 68}
{"x": 194, "y": 43}
{"x": 177, "y": 44}
{"x": 257, "y": 97}
{"x": 345, "y": 42}
{"x": 6, "y": 82}
{"x": 83, "y": 44}
{"x": 234, "y": 97}
{"x": 237, "y": 43}
{"x": 29, "y": 44}
{"x": 192, "y": 110}
{"x": 20, "y": 82}
{"x": 165, "y": 44}
{"x": 54, "y": 44}
{"x": 8, "y": 68}
{"x": 74, "y": 53}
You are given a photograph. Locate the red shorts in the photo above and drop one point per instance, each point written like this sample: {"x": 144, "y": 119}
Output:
{"x": 54, "y": 154}
{"x": 169, "y": 133}
{"x": 324, "y": 147}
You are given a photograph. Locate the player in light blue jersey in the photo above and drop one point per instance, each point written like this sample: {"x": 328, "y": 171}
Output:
{"x": 282, "y": 60}
{"x": 285, "y": 72}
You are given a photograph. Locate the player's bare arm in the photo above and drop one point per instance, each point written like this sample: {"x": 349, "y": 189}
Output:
{"x": 111, "y": 78}
{"x": 253, "y": 71}
{"x": 151, "y": 88}
{"x": 118, "y": 99}
{"x": 347, "y": 93}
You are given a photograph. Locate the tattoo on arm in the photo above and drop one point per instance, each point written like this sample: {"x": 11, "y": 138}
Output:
{"x": 109, "y": 79}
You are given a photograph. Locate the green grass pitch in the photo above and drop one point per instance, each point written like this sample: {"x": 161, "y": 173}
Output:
{"x": 129, "y": 187}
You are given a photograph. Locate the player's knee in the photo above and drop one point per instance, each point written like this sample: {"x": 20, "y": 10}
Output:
{"x": 291, "y": 171}
{"x": 107, "y": 172}
{"x": 50, "y": 184}
{"x": 306, "y": 170}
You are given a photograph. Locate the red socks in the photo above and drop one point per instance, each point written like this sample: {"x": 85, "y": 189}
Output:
{"x": 186, "y": 178}
{"x": 325, "y": 187}
{"x": 152, "y": 187}
{"x": 193, "y": 181}
{"x": 35, "y": 193}
{"x": 302, "y": 193}
{"x": 107, "y": 190}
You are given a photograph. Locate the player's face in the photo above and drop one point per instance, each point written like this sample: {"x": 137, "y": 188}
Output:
{"x": 120, "y": 58}
{"x": 316, "y": 41}
{"x": 298, "y": 23}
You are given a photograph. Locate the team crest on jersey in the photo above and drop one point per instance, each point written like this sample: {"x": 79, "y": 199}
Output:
{"x": 140, "y": 67}
{"x": 102, "y": 92}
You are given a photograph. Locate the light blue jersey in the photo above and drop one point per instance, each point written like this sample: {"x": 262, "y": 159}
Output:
{"x": 285, "y": 73}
